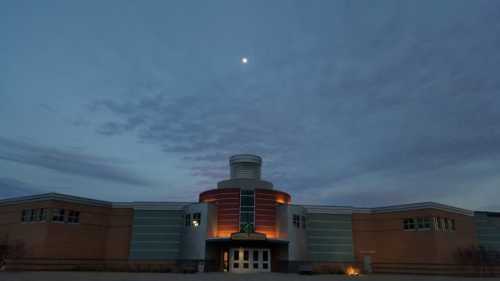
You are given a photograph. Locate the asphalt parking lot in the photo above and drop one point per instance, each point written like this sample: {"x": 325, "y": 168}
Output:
{"x": 119, "y": 276}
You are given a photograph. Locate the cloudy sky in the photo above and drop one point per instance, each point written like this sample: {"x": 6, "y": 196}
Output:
{"x": 361, "y": 103}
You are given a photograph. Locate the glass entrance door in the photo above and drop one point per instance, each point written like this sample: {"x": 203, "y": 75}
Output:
{"x": 250, "y": 260}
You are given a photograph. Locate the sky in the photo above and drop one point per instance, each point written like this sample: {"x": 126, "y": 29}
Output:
{"x": 361, "y": 103}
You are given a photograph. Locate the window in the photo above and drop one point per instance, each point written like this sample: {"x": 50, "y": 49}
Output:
{"x": 446, "y": 224}
{"x": 33, "y": 215}
{"x": 187, "y": 221}
{"x": 453, "y": 225}
{"x": 409, "y": 224}
{"x": 420, "y": 223}
{"x": 247, "y": 210}
{"x": 439, "y": 223}
{"x": 427, "y": 223}
{"x": 42, "y": 214}
{"x": 423, "y": 223}
{"x": 196, "y": 219}
{"x": 296, "y": 221}
{"x": 303, "y": 222}
{"x": 26, "y": 215}
{"x": 73, "y": 216}
{"x": 58, "y": 215}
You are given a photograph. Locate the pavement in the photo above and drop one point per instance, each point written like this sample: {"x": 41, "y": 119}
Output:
{"x": 124, "y": 276}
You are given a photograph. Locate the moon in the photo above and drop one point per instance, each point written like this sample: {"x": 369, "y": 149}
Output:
{"x": 244, "y": 60}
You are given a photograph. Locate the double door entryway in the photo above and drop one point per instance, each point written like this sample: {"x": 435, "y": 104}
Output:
{"x": 249, "y": 260}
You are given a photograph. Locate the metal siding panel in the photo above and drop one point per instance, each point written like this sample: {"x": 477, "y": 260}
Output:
{"x": 330, "y": 237}
{"x": 156, "y": 234}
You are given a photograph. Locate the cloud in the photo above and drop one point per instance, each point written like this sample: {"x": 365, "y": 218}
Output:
{"x": 68, "y": 162}
{"x": 10, "y": 187}
{"x": 408, "y": 97}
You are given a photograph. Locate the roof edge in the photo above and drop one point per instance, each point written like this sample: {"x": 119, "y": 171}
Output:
{"x": 325, "y": 209}
{"x": 54, "y": 196}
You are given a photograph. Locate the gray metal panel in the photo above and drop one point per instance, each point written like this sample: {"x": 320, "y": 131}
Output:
{"x": 156, "y": 234}
{"x": 330, "y": 237}
{"x": 488, "y": 229}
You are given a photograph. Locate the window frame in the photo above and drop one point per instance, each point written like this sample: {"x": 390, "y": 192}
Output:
{"x": 409, "y": 224}
{"x": 73, "y": 217}
{"x": 246, "y": 211}
{"x": 59, "y": 213}
{"x": 296, "y": 220}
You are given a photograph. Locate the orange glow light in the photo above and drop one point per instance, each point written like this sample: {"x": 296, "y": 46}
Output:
{"x": 352, "y": 271}
{"x": 224, "y": 233}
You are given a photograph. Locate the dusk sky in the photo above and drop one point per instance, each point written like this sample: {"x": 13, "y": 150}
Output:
{"x": 364, "y": 103}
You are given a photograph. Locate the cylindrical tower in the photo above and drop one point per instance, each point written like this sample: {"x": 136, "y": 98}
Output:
{"x": 245, "y": 199}
{"x": 245, "y": 166}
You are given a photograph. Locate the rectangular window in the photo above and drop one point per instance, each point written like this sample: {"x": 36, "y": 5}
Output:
{"x": 247, "y": 210}
{"x": 427, "y": 223}
{"x": 32, "y": 215}
{"x": 26, "y": 215}
{"x": 420, "y": 223}
{"x": 42, "y": 214}
{"x": 265, "y": 256}
{"x": 453, "y": 227}
{"x": 409, "y": 224}
{"x": 187, "y": 221}
{"x": 35, "y": 215}
{"x": 446, "y": 224}
{"x": 296, "y": 221}
{"x": 73, "y": 216}
{"x": 255, "y": 256}
{"x": 58, "y": 215}
{"x": 423, "y": 223}
{"x": 439, "y": 223}
{"x": 303, "y": 222}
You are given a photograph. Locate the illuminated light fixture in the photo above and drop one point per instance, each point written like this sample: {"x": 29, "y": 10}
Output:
{"x": 195, "y": 223}
{"x": 280, "y": 200}
{"x": 352, "y": 271}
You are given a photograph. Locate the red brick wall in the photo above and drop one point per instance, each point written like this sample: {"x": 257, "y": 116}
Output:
{"x": 102, "y": 233}
{"x": 382, "y": 237}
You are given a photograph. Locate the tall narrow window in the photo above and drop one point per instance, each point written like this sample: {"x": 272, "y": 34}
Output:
{"x": 26, "y": 215}
{"x": 32, "y": 215}
{"x": 247, "y": 210}
{"x": 42, "y": 215}
{"x": 296, "y": 221}
{"x": 187, "y": 221}
{"x": 439, "y": 223}
{"x": 35, "y": 215}
{"x": 453, "y": 227}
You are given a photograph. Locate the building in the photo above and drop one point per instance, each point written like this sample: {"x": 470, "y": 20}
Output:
{"x": 243, "y": 225}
